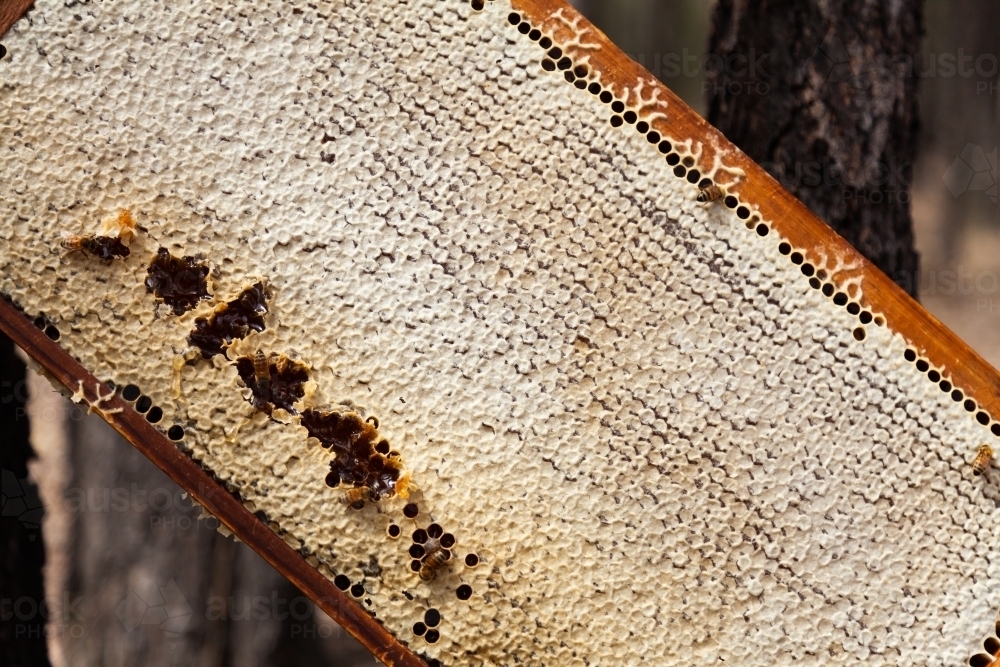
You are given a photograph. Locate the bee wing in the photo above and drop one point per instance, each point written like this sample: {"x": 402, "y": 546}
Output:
{"x": 126, "y": 236}
{"x": 68, "y": 239}
{"x": 121, "y": 225}
{"x": 404, "y": 485}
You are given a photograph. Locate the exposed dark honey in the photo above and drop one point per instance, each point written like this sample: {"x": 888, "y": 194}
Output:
{"x": 104, "y": 247}
{"x": 356, "y": 462}
{"x": 230, "y": 321}
{"x": 180, "y": 282}
{"x": 286, "y": 386}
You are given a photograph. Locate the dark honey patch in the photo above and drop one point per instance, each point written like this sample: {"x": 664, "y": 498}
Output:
{"x": 356, "y": 462}
{"x": 180, "y": 282}
{"x": 230, "y": 321}
{"x": 285, "y": 387}
{"x": 106, "y": 248}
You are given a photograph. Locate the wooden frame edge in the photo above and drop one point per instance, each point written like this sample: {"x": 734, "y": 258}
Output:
{"x": 11, "y": 11}
{"x": 807, "y": 233}
{"x": 203, "y": 489}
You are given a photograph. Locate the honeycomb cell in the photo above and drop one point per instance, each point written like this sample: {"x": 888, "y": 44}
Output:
{"x": 352, "y": 441}
{"x": 179, "y": 282}
{"x": 230, "y": 321}
{"x": 285, "y": 386}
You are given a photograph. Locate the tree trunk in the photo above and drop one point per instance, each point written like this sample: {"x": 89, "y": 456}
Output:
{"x": 150, "y": 584}
{"x": 139, "y": 558}
{"x": 823, "y": 94}
{"x": 667, "y": 38}
{"x": 23, "y": 612}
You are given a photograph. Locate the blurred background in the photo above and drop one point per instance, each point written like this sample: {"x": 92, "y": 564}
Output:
{"x": 132, "y": 576}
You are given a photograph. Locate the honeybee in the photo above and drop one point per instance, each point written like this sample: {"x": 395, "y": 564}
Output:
{"x": 984, "y": 458}
{"x": 113, "y": 241}
{"x": 87, "y": 243}
{"x": 357, "y": 494}
{"x": 262, "y": 372}
{"x": 710, "y": 194}
{"x": 433, "y": 563}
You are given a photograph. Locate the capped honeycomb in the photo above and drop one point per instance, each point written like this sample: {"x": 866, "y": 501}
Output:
{"x": 531, "y": 390}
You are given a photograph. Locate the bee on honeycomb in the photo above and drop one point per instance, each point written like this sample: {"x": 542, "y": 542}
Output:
{"x": 984, "y": 457}
{"x": 710, "y": 194}
{"x": 113, "y": 241}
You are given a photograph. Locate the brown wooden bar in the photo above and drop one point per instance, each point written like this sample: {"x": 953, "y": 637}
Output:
{"x": 206, "y": 491}
{"x": 11, "y": 11}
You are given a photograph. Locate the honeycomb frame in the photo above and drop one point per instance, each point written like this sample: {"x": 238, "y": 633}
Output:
{"x": 757, "y": 201}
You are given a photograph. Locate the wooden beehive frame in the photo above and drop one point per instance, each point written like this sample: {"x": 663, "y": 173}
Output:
{"x": 930, "y": 340}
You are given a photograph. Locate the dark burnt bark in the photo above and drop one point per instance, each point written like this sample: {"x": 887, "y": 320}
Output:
{"x": 23, "y": 611}
{"x": 823, "y": 94}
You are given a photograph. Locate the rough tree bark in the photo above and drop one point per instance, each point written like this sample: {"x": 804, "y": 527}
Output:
{"x": 823, "y": 94}
{"x": 22, "y": 613}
